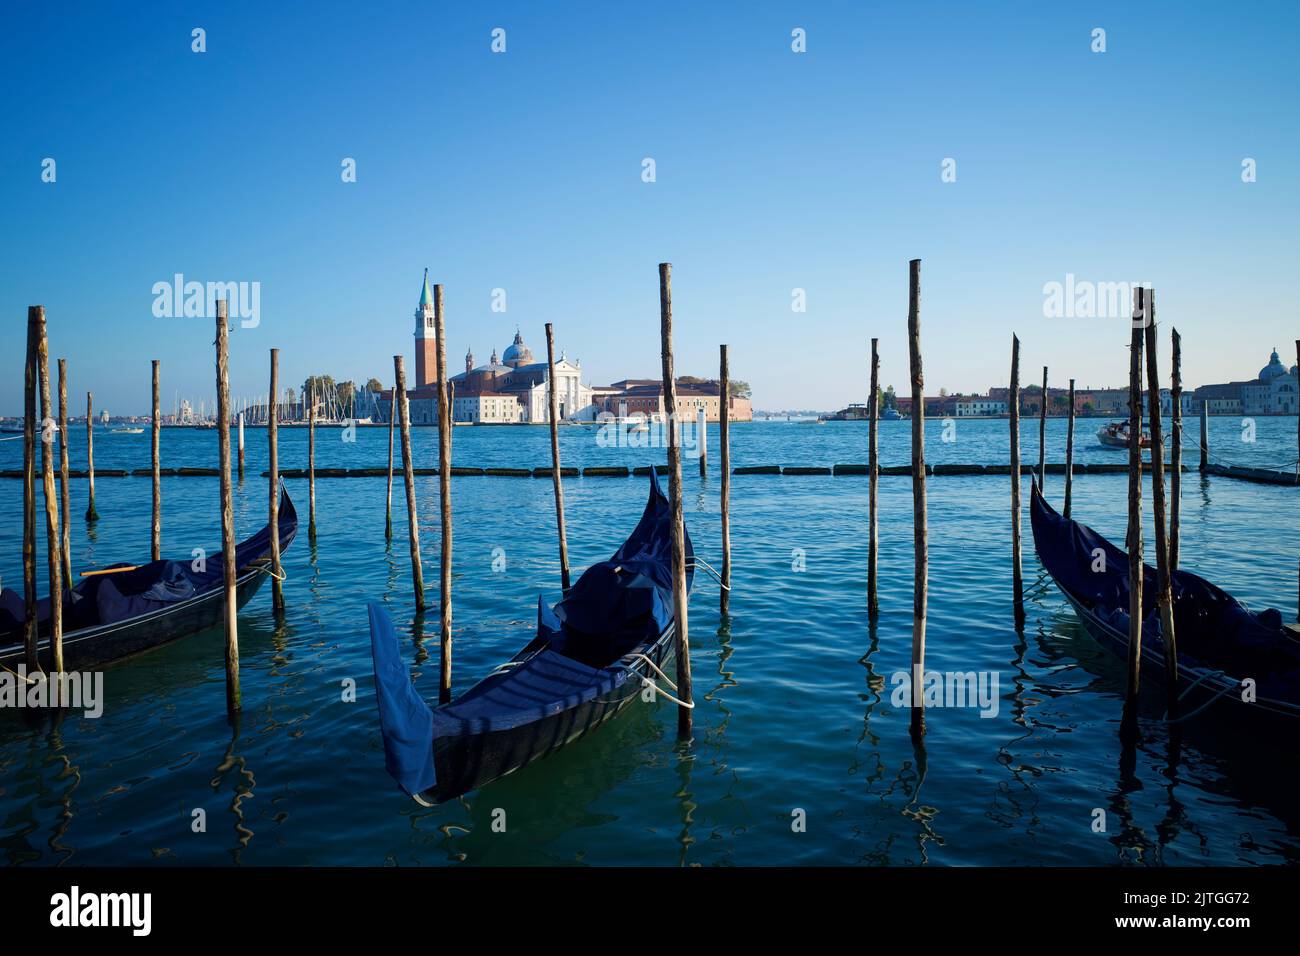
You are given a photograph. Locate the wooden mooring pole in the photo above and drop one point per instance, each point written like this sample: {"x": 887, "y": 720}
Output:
{"x": 724, "y": 440}
{"x": 1175, "y": 450}
{"x": 1205, "y": 437}
{"x": 408, "y": 472}
{"x": 155, "y": 548}
{"x": 873, "y": 480}
{"x": 91, "y": 513}
{"x": 1042, "y": 436}
{"x": 65, "y": 505}
{"x": 241, "y": 447}
{"x": 1069, "y": 453}
{"x": 1164, "y": 589}
{"x": 49, "y": 466}
{"x": 31, "y": 426}
{"x": 1133, "y": 540}
{"x": 556, "y": 480}
{"x": 682, "y": 635}
{"x": 230, "y": 607}
{"x": 311, "y": 465}
{"x": 388, "y": 493}
{"x": 920, "y": 536}
{"x": 702, "y": 439}
{"x": 273, "y": 502}
{"x": 444, "y": 492}
{"x": 1013, "y": 403}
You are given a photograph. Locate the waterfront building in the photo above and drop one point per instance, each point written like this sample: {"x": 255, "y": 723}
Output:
{"x": 980, "y": 407}
{"x": 1275, "y": 391}
{"x": 645, "y": 397}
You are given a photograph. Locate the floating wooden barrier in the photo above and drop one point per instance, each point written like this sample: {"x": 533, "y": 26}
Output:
{"x": 806, "y": 470}
{"x": 755, "y": 470}
{"x": 606, "y": 472}
{"x": 546, "y": 472}
{"x": 644, "y": 470}
{"x": 509, "y": 472}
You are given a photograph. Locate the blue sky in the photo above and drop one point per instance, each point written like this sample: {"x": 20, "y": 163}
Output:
{"x": 775, "y": 171}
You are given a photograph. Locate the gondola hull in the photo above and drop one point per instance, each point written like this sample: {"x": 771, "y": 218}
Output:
{"x": 142, "y": 628}
{"x": 467, "y": 762}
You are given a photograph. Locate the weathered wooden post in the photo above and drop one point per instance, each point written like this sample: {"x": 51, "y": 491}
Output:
{"x": 682, "y": 636}
{"x": 1042, "y": 437}
{"x": 273, "y": 504}
{"x": 873, "y": 470}
{"x": 1013, "y": 403}
{"x": 241, "y": 447}
{"x": 1069, "y": 453}
{"x": 233, "y": 698}
{"x": 155, "y": 549}
{"x": 920, "y": 538}
{"x": 402, "y": 407}
{"x": 35, "y": 318}
{"x": 1205, "y": 437}
{"x": 49, "y": 465}
{"x": 388, "y": 494}
{"x": 1176, "y": 450}
{"x": 702, "y": 440}
{"x": 444, "y": 491}
{"x": 91, "y": 513}
{"x": 1133, "y": 541}
{"x": 724, "y": 439}
{"x": 311, "y": 465}
{"x": 1164, "y": 589}
{"x": 556, "y": 481}
{"x": 65, "y": 510}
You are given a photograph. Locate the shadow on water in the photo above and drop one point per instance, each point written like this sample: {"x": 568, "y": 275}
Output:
{"x": 545, "y": 803}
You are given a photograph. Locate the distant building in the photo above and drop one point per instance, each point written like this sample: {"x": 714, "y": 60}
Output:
{"x": 1275, "y": 391}
{"x": 508, "y": 390}
{"x": 644, "y": 397}
{"x": 980, "y": 407}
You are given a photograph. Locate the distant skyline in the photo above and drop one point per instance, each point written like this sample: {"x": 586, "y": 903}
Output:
{"x": 780, "y": 178}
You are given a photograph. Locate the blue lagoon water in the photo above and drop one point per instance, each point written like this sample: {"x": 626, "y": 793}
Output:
{"x": 793, "y": 691}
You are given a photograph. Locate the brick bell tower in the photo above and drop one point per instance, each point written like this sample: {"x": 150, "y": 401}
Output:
{"x": 426, "y": 339}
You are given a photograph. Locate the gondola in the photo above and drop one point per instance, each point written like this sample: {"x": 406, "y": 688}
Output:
{"x": 593, "y": 653}
{"x": 112, "y": 615}
{"x": 1221, "y": 643}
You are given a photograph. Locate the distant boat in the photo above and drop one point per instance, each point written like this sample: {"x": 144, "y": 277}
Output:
{"x": 127, "y": 431}
{"x": 1115, "y": 435}
{"x": 890, "y": 415}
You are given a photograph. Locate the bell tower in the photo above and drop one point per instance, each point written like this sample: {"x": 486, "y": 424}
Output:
{"x": 426, "y": 339}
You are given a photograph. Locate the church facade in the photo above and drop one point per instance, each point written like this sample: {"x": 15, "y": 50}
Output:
{"x": 511, "y": 389}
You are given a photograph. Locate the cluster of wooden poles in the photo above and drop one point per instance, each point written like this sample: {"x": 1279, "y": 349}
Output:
{"x": 400, "y": 414}
{"x": 1166, "y": 525}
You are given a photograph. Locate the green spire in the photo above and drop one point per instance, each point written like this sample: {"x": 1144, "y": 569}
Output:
{"x": 426, "y": 297}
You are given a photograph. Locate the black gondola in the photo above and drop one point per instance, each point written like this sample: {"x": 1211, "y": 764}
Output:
{"x": 1221, "y": 644}
{"x": 594, "y": 652}
{"x": 109, "y": 616}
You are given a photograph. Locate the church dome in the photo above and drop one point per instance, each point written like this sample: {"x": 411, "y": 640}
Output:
{"x": 517, "y": 353}
{"x": 1273, "y": 369}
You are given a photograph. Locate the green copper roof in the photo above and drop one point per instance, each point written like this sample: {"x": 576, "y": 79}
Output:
{"x": 426, "y": 297}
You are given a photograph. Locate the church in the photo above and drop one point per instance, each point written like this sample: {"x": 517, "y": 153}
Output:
{"x": 508, "y": 390}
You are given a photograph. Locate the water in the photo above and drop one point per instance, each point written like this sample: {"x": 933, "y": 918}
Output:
{"x": 793, "y": 692}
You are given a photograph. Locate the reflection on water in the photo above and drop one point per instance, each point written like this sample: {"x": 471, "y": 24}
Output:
{"x": 793, "y": 708}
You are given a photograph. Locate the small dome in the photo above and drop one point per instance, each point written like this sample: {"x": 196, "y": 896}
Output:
{"x": 1273, "y": 369}
{"x": 517, "y": 353}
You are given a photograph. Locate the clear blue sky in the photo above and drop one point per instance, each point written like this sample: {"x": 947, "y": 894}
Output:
{"x": 775, "y": 171}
